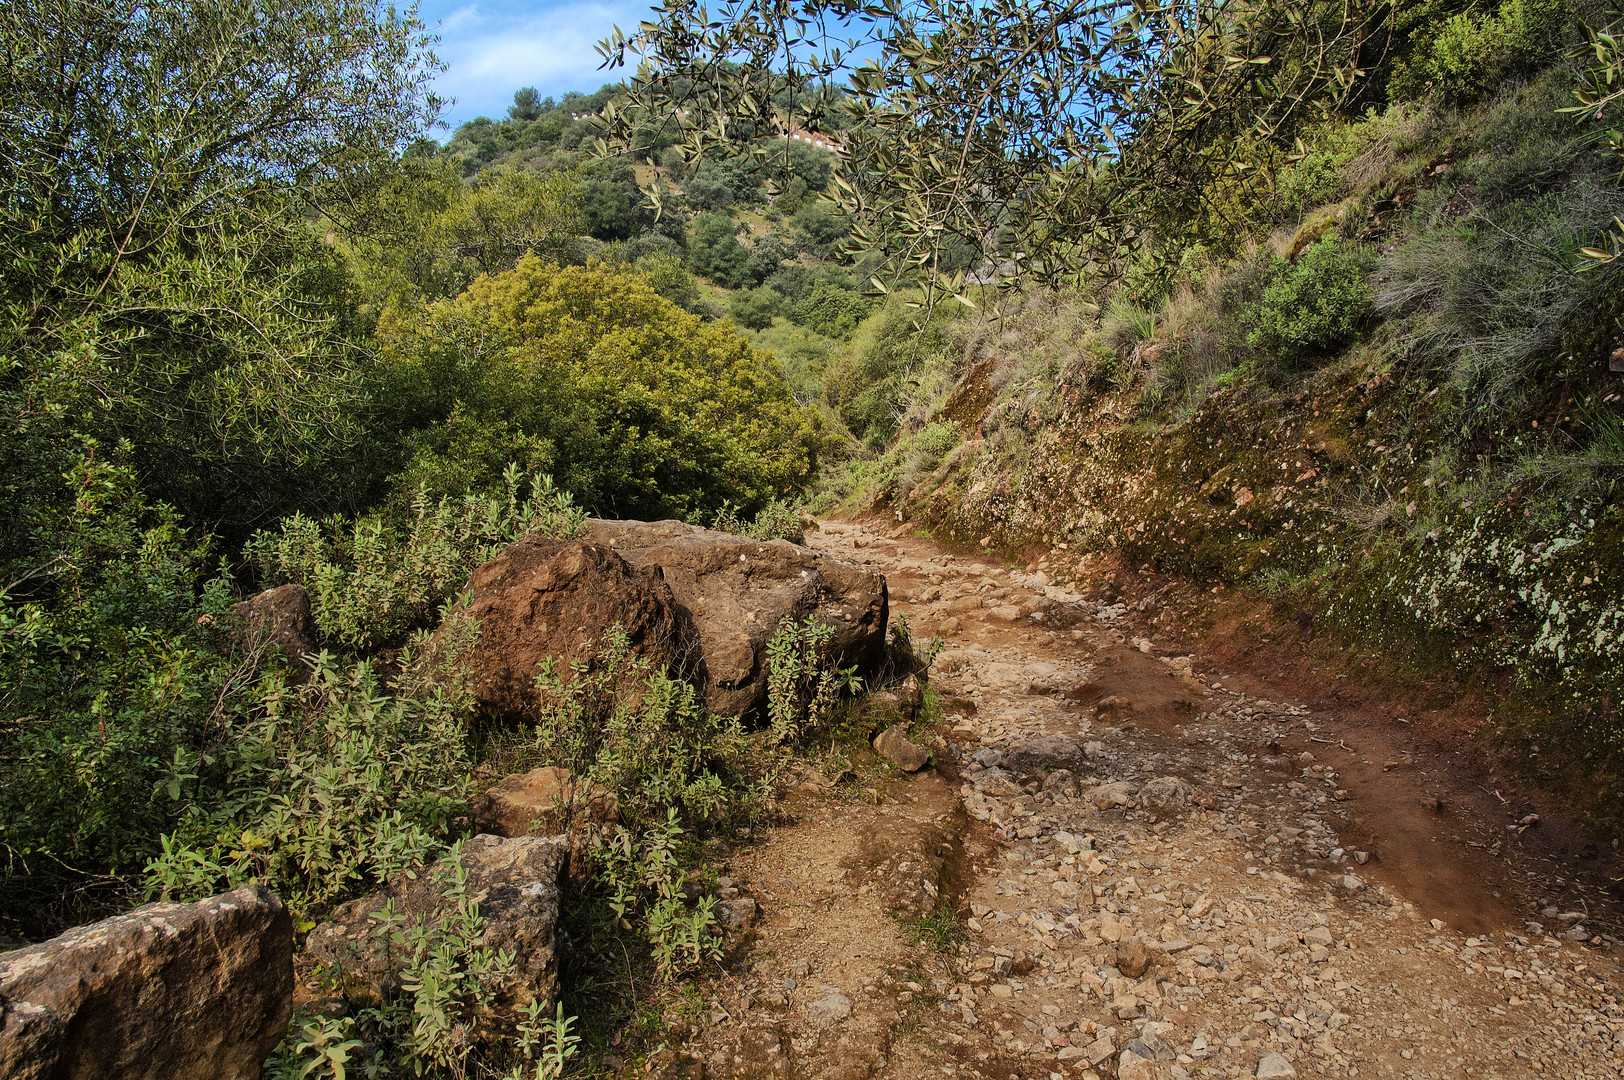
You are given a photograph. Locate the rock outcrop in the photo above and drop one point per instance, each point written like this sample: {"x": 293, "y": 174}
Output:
{"x": 173, "y": 991}
{"x": 736, "y": 591}
{"x": 543, "y": 801}
{"x": 558, "y": 598}
{"x": 281, "y": 617}
{"x": 516, "y": 883}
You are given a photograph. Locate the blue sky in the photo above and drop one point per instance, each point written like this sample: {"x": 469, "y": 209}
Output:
{"x": 493, "y": 47}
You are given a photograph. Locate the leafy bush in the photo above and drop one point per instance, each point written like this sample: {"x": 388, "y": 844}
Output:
{"x": 867, "y": 382}
{"x": 668, "y": 275}
{"x": 637, "y": 733}
{"x": 804, "y": 680}
{"x": 636, "y": 407}
{"x": 1473, "y": 52}
{"x": 822, "y": 227}
{"x": 832, "y": 311}
{"x": 778, "y": 520}
{"x": 1315, "y": 306}
{"x": 714, "y": 251}
{"x": 614, "y": 207}
{"x": 119, "y": 687}
{"x": 369, "y": 583}
{"x": 755, "y": 309}
{"x": 340, "y": 783}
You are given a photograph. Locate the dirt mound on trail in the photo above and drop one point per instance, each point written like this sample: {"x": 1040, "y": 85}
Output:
{"x": 1133, "y": 685}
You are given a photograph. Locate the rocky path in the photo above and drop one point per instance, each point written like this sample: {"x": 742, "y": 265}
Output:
{"x": 1152, "y": 875}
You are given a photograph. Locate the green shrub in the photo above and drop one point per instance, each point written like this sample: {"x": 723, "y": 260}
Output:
{"x": 804, "y": 680}
{"x": 634, "y": 406}
{"x": 778, "y": 520}
{"x": 755, "y": 309}
{"x": 1473, "y": 52}
{"x": 370, "y": 583}
{"x": 714, "y": 251}
{"x": 867, "y": 382}
{"x": 119, "y": 688}
{"x": 832, "y": 311}
{"x": 668, "y": 275}
{"x": 1315, "y": 306}
{"x": 638, "y": 733}
{"x": 335, "y": 785}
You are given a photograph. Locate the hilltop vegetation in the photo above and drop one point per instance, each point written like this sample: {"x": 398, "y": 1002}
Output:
{"x": 1318, "y": 301}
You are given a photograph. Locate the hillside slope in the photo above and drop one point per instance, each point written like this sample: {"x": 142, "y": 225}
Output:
{"x": 1396, "y": 418}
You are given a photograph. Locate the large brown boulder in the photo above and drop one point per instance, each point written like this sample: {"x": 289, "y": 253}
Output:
{"x": 737, "y": 590}
{"x": 515, "y": 882}
{"x": 171, "y": 991}
{"x": 281, "y": 617}
{"x": 557, "y": 598}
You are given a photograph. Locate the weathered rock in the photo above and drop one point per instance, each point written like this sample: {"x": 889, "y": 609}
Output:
{"x": 737, "y": 591}
{"x": 174, "y": 991}
{"x": 1165, "y": 792}
{"x": 1100, "y": 1049}
{"x": 542, "y": 802}
{"x": 829, "y": 1008}
{"x": 1274, "y": 1067}
{"x": 558, "y": 598}
{"x": 1130, "y": 1066}
{"x": 1049, "y": 752}
{"x": 1108, "y": 795}
{"x": 516, "y": 883}
{"x": 281, "y": 617}
{"x": 1133, "y": 957}
{"x": 1061, "y": 784}
{"x": 739, "y": 913}
{"x": 894, "y": 745}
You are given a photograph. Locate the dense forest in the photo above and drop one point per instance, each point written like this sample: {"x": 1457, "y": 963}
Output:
{"x": 259, "y": 326}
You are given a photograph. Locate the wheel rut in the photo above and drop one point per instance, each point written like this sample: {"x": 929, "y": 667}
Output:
{"x": 1153, "y": 870}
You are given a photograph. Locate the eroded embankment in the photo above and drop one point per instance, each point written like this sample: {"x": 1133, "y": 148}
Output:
{"x": 1347, "y": 508}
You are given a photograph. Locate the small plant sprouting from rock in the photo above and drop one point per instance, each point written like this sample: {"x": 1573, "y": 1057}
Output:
{"x": 803, "y": 681}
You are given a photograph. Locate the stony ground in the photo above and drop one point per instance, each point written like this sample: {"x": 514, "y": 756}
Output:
{"x": 1122, "y": 864}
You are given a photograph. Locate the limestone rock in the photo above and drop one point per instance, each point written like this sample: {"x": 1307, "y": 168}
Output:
{"x": 558, "y": 598}
{"x": 1274, "y": 1067}
{"x": 281, "y": 617}
{"x": 1130, "y": 1066}
{"x": 173, "y": 991}
{"x": 516, "y": 883}
{"x": 737, "y": 591}
{"x": 1133, "y": 957}
{"x": 739, "y": 913}
{"x": 1109, "y": 795}
{"x": 1061, "y": 784}
{"x": 894, "y": 745}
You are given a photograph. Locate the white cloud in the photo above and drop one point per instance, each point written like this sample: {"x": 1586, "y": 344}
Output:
{"x": 491, "y": 54}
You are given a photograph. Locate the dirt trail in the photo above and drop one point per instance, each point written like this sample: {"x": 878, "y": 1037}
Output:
{"x": 1161, "y": 870}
